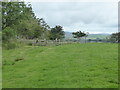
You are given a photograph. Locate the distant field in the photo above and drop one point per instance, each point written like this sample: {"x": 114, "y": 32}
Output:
{"x": 91, "y": 65}
{"x": 101, "y": 36}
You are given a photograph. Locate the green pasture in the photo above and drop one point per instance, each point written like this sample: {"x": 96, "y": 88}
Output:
{"x": 86, "y": 65}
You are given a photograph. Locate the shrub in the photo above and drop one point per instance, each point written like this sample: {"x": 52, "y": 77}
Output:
{"x": 9, "y": 45}
{"x": 9, "y": 38}
{"x": 7, "y": 34}
{"x": 30, "y": 43}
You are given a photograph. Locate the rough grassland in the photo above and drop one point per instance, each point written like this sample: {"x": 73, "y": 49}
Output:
{"x": 91, "y": 65}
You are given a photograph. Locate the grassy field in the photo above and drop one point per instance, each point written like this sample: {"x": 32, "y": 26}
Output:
{"x": 92, "y": 65}
{"x": 0, "y": 67}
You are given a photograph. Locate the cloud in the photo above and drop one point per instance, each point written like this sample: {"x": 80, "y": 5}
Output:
{"x": 92, "y": 16}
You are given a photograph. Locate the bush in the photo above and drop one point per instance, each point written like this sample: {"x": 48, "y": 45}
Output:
{"x": 7, "y": 34}
{"x": 9, "y": 45}
{"x": 30, "y": 43}
{"x": 8, "y": 38}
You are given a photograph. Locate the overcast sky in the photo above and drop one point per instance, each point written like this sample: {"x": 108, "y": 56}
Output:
{"x": 93, "y": 17}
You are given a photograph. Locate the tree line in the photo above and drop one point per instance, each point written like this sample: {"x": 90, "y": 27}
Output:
{"x": 19, "y": 22}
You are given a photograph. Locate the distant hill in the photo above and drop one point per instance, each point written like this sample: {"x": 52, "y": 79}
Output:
{"x": 68, "y": 35}
{"x": 101, "y": 36}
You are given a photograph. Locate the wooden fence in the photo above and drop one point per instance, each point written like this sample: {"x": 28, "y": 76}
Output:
{"x": 56, "y": 42}
{"x": 45, "y": 42}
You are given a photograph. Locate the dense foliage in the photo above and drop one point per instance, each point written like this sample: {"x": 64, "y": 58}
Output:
{"x": 79, "y": 34}
{"x": 20, "y": 17}
{"x": 115, "y": 37}
{"x": 20, "y": 22}
{"x": 57, "y": 33}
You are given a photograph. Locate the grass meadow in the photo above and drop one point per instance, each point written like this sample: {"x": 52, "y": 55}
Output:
{"x": 85, "y": 65}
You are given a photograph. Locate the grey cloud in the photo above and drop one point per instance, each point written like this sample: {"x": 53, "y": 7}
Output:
{"x": 68, "y": 14}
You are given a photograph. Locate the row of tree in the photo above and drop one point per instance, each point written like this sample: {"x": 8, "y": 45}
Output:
{"x": 19, "y": 21}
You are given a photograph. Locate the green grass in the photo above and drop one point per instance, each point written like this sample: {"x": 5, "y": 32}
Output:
{"x": 92, "y": 65}
{"x": 0, "y": 67}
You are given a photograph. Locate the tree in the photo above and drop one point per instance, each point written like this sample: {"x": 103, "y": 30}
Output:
{"x": 20, "y": 22}
{"x": 57, "y": 33}
{"x": 20, "y": 17}
{"x": 79, "y": 34}
{"x": 115, "y": 37}
{"x": 12, "y": 12}
{"x": 42, "y": 22}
